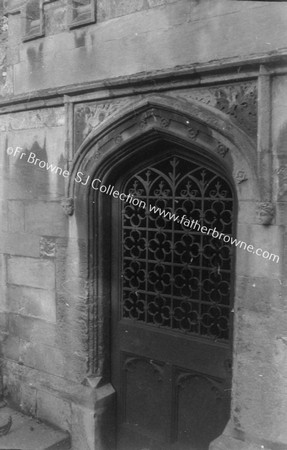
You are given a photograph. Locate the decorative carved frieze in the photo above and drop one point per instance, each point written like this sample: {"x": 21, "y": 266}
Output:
{"x": 89, "y": 116}
{"x": 237, "y": 100}
{"x": 47, "y": 247}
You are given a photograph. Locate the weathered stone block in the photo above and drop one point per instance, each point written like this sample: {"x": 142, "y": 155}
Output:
{"x": 266, "y": 238}
{"x": 2, "y": 270}
{"x": 247, "y": 212}
{"x": 3, "y": 300}
{"x": 23, "y": 396}
{"x": 13, "y": 55}
{"x": 37, "y": 118}
{"x": 33, "y": 329}
{"x": 44, "y": 358}
{"x": 40, "y": 379}
{"x": 83, "y": 428}
{"x": 26, "y": 180}
{"x": 31, "y": 272}
{"x": 32, "y": 302}
{"x": 60, "y": 362}
{"x": 259, "y": 295}
{"x": 14, "y": 348}
{"x": 54, "y": 410}
{"x": 11, "y": 348}
{"x": 4, "y": 322}
{"x": 95, "y": 428}
{"x": 19, "y": 244}
{"x": 57, "y": 336}
{"x": 255, "y": 372}
{"x": 16, "y": 216}
{"x": 4, "y": 215}
{"x": 45, "y": 218}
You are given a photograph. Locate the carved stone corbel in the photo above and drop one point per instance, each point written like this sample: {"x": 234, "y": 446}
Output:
{"x": 68, "y": 206}
{"x": 265, "y": 213}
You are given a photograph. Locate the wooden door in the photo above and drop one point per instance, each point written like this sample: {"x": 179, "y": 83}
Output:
{"x": 171, "y": 304}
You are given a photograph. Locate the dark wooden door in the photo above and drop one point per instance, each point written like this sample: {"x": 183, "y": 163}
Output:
{"x": 171, "y": 332}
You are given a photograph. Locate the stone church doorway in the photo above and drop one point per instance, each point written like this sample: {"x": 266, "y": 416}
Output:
{"x": 172, "y": 296}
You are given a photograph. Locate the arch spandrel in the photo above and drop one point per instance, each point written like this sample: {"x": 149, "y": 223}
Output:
{"x": 209, "y": 132}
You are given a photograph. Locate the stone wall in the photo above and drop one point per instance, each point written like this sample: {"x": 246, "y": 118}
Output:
{"x": 61, "y": 89}
{"x": 159, "y": 37}
{"x": 33, "y": 228}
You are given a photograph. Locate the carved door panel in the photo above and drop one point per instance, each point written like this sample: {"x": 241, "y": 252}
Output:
{"x": 171, "y": 307}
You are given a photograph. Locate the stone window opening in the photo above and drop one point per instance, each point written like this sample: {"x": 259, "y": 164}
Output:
{"x": 33, "y": 22}
{"x": 151, "y": 133}
{"x": 81, "y": 12}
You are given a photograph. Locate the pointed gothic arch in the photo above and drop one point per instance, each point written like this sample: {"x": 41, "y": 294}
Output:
{"x": 135, "y": 135}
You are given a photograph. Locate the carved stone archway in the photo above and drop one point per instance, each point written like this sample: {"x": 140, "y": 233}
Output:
{"x": 122, "y": 138}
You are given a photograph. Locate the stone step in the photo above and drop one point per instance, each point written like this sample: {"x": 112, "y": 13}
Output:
{"x": 27, "y": 433}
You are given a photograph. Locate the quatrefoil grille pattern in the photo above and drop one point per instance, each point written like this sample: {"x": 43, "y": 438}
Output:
{"x": 174, "y": 276}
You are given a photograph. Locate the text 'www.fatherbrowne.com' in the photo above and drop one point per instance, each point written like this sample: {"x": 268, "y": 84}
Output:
{"x": 96, "y": 184}
{"x": 195, "y": 225}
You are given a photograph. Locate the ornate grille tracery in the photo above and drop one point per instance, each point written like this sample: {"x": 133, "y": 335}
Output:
{"x": 174, "y": 276}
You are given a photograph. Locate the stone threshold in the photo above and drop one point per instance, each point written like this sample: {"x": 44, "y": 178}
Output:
{"x": 27, "y": 433}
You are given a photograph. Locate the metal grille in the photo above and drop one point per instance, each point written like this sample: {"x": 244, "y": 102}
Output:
{"x": 174, "y": 276}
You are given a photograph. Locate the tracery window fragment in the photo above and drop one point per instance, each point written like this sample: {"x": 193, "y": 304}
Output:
{"x": 173, "y": 276}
